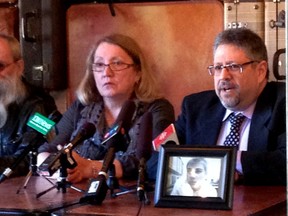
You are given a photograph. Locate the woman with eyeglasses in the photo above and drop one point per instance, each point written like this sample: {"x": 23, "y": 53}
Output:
{"x": 116, "y": 72}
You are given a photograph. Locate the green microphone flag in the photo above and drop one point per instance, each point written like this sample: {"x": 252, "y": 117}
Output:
{"x": 40, "y": 123}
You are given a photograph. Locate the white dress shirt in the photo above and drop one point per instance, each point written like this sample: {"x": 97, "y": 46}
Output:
{"x": 244, "y": 132}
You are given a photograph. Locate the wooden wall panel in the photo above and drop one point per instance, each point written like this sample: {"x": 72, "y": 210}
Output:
{"x": 176, "y": 38}
{"x": 9, "y": 17}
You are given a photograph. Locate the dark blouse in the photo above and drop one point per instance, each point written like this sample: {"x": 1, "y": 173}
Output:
{"x": 77, "y": 115}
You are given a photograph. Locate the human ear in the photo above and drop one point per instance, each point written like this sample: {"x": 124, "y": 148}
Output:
{"x": 20, "y": 67}
{"x": 262, "y": 68}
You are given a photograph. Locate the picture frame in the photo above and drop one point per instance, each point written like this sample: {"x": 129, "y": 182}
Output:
{"x": 174, "y": 164}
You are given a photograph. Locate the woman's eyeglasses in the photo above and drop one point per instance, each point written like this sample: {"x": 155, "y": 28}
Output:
{"x": 114, "y": 66}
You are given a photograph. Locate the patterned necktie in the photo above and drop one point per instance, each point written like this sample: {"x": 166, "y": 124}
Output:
{"x": 234, "y": 136}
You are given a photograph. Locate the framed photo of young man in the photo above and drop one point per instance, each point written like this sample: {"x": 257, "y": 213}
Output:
{"x": 195, "y": 177}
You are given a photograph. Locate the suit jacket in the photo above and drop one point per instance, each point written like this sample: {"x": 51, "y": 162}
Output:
{"x": 264, "y": 163}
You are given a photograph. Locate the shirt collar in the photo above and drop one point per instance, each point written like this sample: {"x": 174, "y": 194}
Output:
{"x": 247, "y": 113}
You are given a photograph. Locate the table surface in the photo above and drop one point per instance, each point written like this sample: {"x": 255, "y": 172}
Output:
{"x": 248, "y": 200}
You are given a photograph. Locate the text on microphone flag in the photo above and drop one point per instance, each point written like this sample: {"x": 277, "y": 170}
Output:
{"x": 40, "y": 123}
{"x": 169, "y": 134}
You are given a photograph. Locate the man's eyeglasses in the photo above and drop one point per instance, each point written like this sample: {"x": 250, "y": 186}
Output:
{"x": 3, "y": 65}
{"x": 114, "y": 66}
{"x": 233, "y": 67}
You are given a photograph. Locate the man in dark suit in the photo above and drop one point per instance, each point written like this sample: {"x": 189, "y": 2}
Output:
{"x": 240, "y": 72}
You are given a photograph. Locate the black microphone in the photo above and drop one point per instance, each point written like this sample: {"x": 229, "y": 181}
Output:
{"x": 33, "y": 138}
{"x": 116, "y": 141}
{"x": 86, "y": 131}
{"x": 54, "y": 116}
{"x": 121, "y": 125}
{"x": 143, "y": 153}
{"x": 53, "y": 162}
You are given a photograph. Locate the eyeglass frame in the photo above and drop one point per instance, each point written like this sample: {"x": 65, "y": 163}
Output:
{"x": 228, "y": 67}
{"x": 109, "y": 65}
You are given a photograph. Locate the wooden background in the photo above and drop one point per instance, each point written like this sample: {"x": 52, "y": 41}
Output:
{"x": 176, "y": 38}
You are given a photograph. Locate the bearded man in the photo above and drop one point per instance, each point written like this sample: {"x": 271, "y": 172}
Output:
{"x": 19, "y": 100}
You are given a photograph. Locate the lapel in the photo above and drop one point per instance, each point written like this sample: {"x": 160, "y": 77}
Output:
{"x": 259, "y": 128}
{"x": 211, "y": 122}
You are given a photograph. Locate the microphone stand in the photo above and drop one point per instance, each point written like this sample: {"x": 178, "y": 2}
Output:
{"x": 33, "y": 167}
{"x": 142, "y": 194}
{"x": 142, "y": 184}
{"x": 62, "y": 183}
{"x": 112, "y": 181}
{"x": 142, "y": 197}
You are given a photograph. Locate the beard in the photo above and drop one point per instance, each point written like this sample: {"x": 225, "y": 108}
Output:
{"x": 12, "y": 90}
{"x": 3, "y": 115}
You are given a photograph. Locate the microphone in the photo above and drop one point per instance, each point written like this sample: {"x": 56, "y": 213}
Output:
{"x": 54, "y": 116}
{"x": 41, "y": 126}
{"x": 168, "y": 136}
{"x": 143, "y": 153}
{"x": 115, "y": 141}
{"x": 121, "y": 125}
{"x": 118, "y": 142}
{"x": 86, "y": 131}
{"x": 53, "y": 162}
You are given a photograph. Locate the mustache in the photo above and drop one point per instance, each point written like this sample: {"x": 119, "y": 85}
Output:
{"x": 225, "y": 84}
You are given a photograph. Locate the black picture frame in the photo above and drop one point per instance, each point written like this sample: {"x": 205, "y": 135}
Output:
{"x": 223, "y": 160}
